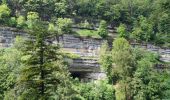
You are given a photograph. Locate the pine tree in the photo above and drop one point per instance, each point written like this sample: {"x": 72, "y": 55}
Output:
{"x": 43, "y": 74}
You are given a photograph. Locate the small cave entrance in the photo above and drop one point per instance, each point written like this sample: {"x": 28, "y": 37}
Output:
{"x": 76, "y": 74}
{"x": 82, "y": 76}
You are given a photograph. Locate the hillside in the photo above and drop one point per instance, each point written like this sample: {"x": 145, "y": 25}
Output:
{"x": 84, "y": 49}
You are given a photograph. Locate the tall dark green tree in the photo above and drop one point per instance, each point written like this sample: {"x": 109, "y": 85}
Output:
{"x": 44, "y": 74}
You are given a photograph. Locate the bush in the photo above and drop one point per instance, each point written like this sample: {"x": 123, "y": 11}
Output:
{"x": 12, "y": 22}
{"x": 20, "y": 22}
{"x": 102, "y": 31}
{"x": 64, "y": 25}
{"x": 122, "y": 31}
{"x": 32, "y": 18}
{"x": 98, "y": 90}
{"x": 4, "y": 11}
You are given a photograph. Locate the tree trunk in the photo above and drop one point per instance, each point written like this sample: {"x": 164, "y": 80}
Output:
{"x": 126, "y": 96}
{"x": 41, "y": 67}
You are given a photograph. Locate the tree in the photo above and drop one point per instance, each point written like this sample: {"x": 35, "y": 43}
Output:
{"x": 12, "y": 22}
{"x": 43, "y": 74}
{"x": 61, "y": 8}
{"x": 64, "y": 25}
{"x": 142, "y": 30}
{"x": 122, "y": 64}
{"x": 10, "y": 63}
{"x": 32, "y": 18}
{"x": 122, "y": 31}
{"x": 21, "y": 22}
{"x": 166, "y": 94}
{"x": 102, "y": 31}
{"x": 136, "y": 34}
{"x": 106, "y": 60}
{"x": 147, "y": 83}
{"x": 46, "y": 9}
{"x": 163, "y": 25}
{"x": 98, "y": 90}
{"x": 4, "y": 11}
{"x": 122, "y": 57}
{"x": 159, "y": 16}
{"x": 51, "y": 27}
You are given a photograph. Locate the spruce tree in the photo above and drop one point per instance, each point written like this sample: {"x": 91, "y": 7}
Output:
{"x": 43, "y": 74}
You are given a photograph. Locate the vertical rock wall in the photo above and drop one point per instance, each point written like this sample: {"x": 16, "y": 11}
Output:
{"x": 81, "y": 46}
{"x": 7, "y": 36}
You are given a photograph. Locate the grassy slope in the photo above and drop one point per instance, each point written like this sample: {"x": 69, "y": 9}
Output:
{"x": 88, "y": 33}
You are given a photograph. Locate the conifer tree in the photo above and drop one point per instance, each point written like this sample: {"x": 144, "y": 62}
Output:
{"x": 43, "y": 74}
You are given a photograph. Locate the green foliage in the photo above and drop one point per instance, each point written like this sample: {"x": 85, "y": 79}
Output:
{"x": 166, "y": 94}
{"x": 64, "y": 25}
{"x": 12, "y": 22}
{"x": 21, "y": 22}
{"x": 147, "y": 83}
{"x": 5, "y": 14}
{"x": 43, "y": 72}
{"x": 142, "y": 30}
{"x": 122, "y": 57}
{"x": 46, "y": 9}
{"x": 70, "y": 55}
{"x": 51, "y": 27}
{"x": 164, "y": 23}
{"x": 60, "y": 8}
{"x": 106, "y": 60}
{"x": 32, "y": 18}
{"x": 122, "y": 31}
{"x": 145, "y": 19}
{"x": 88, "y": 33}
{"x": 10, "y": 63}
{"x": 85, "y": 24}
{"x": 4, "y": 11}
{"x": 98, "y": 90}
{"x": 102, "y": 31}
{"x": 122, "y": 64}
{"x": 133, "y": 72}
{"x": 160, "y": 39}
{"x": 136, "y": 34}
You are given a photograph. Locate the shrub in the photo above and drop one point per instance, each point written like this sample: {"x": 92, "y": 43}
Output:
{"x": 20, "y": 22}
{"x": 102, "y": 31}
{"x": 32, "y": 18}
{"x": 4, "y": 11}
{"x": 64, "y": 25}
{"x": 12, "y": 22}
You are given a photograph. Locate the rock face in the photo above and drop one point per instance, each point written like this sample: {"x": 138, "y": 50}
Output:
{"x": 8, "y": 34}
{"x": 164, "y": 53}
{"x": 85, "y": 47}
{"x": 81, "y": 46}
{"x": 84, "y": 65}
